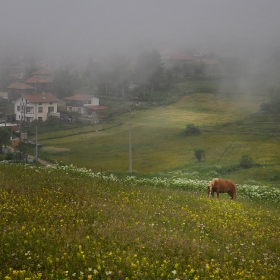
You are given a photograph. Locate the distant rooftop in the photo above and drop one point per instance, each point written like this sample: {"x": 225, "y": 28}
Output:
{"x": 17, "y": 85}
{"x": 79, "y": 97}
{"x": 40, "y": 97}
{"x": 44, "y": 72}
{"x": 37, "y": 80}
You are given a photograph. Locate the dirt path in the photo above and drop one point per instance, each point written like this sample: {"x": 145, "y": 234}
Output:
{"x": 45, "y": 163}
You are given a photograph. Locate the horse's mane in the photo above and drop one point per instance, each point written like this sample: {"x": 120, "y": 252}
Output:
{"x": 212, "y": 183}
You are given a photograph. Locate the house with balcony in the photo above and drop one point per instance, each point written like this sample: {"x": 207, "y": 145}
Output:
{"x": 84, "y": 104}
{"x": 35, "y": 106}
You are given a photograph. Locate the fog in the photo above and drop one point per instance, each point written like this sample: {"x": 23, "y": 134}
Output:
{"x": 78, "y": 30}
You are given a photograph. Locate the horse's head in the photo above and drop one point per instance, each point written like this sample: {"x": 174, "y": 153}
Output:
{"x": 211, "y": 185}
{"x": 210, "y": 190}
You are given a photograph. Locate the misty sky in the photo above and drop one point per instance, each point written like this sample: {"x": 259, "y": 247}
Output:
{"x": 84, "y": 28}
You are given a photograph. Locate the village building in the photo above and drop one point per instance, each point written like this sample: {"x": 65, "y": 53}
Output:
{"x": 35, "y": 106}
{"x": 84, "y": 104}
{"x": 39, "y": 84}
{"x": 46, "y": 74}
{"x": 16, "y": 89}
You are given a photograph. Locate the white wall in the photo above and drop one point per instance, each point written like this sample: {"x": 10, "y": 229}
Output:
{"x": 34, "y": 113}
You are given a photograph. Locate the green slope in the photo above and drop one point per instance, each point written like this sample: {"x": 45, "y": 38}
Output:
{"x": 159, "y": 143}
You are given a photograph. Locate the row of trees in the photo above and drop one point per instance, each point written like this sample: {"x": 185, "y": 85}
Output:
{"x": 273, "y": 104}
{"x": 109, "y": 75}
{"x": 113, "y": 75}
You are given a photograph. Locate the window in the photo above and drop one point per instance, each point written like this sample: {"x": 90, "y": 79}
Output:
{"x": 29, "y": 110}
{"x": 89, "y": 101}
{"x": 40, "y": 103}
{"x": 18, "y": 108}
{"x": 70, "y": 109}
{"x": 79, "y": 110}
{"x": 40, "y": 109}
{"x": 50, "y": 109}
{"x": 40, "y": 119}
{"x": 50, "y": 103}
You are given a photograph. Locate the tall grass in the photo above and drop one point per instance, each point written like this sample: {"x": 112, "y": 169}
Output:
{"x": 70, "y": 223}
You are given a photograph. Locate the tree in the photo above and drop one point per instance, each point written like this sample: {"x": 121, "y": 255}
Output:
{"x": 199, "y": 154}
{"x": 119, "y": 73}
{"x": 246, "y": 162}
{"x": 4, "y": 137}
{"x": 65, "y": 83}
{"x": 149, "y": 70}
{"x": 21, "y": 152}
{"x": 91, "y": 74}
{"x": 274, "y": 101}
{"x": 192, "y": 130}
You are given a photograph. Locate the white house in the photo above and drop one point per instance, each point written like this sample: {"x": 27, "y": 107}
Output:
{"x": 81, "y": 103}
{"x": 35, "y": 106}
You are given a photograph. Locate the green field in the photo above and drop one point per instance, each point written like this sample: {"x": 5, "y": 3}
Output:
{"x": 67, "y": 223}
{"x": 88, "y": 218}
{"x": 231, "y": 127}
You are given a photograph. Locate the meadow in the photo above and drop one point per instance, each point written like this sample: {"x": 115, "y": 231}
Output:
{"x": 231, "y": 126}
{"x": 72, "y": 223}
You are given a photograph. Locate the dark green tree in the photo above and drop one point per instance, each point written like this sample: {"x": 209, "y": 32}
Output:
{"x": 119, "y": 74}
{"x": 192, "y": 130}
{"x": 199, "y": 154}
{"x": 274, "y": 101}
{"x": 4, "y": 137}
{"x": 91, "y": 75}
{"x": 65, "y": 83}
{"x": 21, "y": 152}
{"x": 149, "y": 71}
{"x": 246, "y": 162}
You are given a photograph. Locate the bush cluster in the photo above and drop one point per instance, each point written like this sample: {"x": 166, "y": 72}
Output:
{"x": 192, "y": 130}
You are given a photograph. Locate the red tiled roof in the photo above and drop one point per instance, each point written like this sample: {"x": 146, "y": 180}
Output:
{"x": 19, "y": 86}
{"x": 40, "y": 97}
{"x": 179, "y": 56}
{"x": 96, "y": 107}
{"x": 37, "y": 80}
{"x": 3, "y": 94}
{"x": 44, "y": 72}
{"x": 79, "y": 97}
{"x": 17, "y": 76}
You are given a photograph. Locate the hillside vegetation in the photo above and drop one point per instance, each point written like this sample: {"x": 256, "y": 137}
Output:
{"x": 70, "y": 223}
{"x": 231, "y": 127}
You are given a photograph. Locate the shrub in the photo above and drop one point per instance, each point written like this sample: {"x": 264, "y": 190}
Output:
{"x": 192, "y": 130}
{"x": 9, "y": 156}
{"x": 199, "y": 154}
{"x": 246, "y": 161}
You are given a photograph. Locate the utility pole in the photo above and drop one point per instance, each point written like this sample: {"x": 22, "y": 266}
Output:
{"x": 36, "y": 147}
{"x": 130, "y": 144}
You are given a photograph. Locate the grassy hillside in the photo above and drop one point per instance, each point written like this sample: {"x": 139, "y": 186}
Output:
{"x": 69, "y": 223}
{"x": 231, "y": 128}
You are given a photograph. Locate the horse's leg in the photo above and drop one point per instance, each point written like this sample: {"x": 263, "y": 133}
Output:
{"x": 218, "y": 195}
{"x": 232, "y": 194}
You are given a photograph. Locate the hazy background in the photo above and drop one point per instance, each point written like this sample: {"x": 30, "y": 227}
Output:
{"x": 80, "y": 29}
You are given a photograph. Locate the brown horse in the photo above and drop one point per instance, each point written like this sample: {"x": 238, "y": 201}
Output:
{"x": 222, "y": 186}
